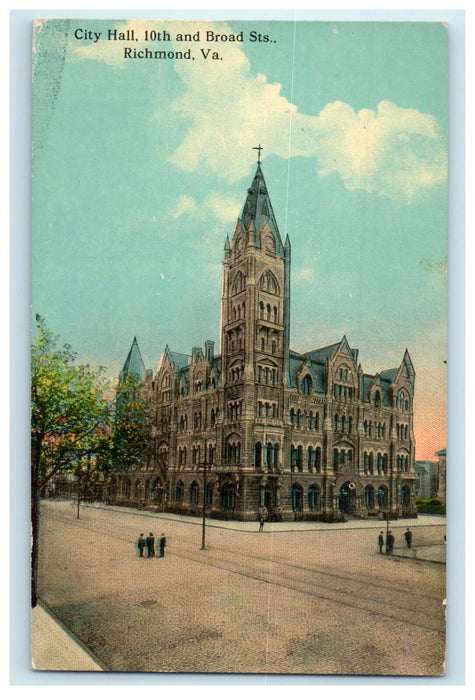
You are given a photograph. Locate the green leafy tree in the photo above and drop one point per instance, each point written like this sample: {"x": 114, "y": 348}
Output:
{"x": 130, "y": 444}
{"x": 78, "y": 425}
{"x": 69, "y": 419}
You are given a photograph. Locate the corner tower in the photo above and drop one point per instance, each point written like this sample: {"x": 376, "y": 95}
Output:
{"x": 255, "y": 322}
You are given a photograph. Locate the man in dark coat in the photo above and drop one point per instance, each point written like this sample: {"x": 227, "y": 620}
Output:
{"x": 408, "y": 538}
{"x": 389, "y": 542}
{"x": 141, "y": 544}
{"x": 381, "y": 542}
{"x": 150, "y": 541}
{"x": 163, "y": 544}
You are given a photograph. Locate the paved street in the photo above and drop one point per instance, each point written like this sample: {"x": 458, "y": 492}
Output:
{"x": 296, "y": 598}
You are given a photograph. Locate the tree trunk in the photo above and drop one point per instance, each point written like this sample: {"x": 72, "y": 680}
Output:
{"x": 35, "y": 523}
{"x": 35, "y": 514}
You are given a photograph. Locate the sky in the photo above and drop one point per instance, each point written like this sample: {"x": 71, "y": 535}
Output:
{"x": 141, "y": 166}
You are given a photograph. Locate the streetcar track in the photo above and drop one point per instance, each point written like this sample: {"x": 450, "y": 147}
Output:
{"x": 299, "y": 567}
{"x": 290, "y": 584}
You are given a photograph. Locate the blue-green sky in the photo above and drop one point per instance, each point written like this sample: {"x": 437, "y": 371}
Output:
{"x": 140, "y": 168}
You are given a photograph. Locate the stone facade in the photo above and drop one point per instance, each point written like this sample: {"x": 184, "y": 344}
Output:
{"x": 262, "y": 428}
{"x": 442, "y": 475}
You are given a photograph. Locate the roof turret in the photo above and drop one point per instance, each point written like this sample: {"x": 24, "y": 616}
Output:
{"x": 134, "y": 365}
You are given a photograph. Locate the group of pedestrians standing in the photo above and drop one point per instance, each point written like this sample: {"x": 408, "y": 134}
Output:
{"x": 146, "y": 545}
{"x": 389, "y": 542}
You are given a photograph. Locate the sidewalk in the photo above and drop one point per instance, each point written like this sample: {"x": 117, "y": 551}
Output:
{"x": 55, "y": 649}
{"x": 286, "y": 526}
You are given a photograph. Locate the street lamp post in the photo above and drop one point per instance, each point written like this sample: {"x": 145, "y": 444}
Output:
{"x": 203, "y": 526}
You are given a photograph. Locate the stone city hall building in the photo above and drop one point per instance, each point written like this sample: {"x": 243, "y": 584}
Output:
{"x": 303, "y": 435}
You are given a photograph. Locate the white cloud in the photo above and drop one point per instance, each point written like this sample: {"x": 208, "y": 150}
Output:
{"x": 215, "y": 206}
{"x": 391, "y": 151}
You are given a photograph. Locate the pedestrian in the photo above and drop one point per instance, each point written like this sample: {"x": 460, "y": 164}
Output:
{"x": 381, "y": 542}
{"x": 150, "y": 542}
{"x": 408, "y": 538}
{"x": 162, "y": 545}
{"x": 389, "y": 542}
{"x": 261, "y": 522}
{"x": 140, "y": 544}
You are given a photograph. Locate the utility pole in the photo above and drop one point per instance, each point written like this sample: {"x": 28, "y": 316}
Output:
{"x": 203, "y": 527}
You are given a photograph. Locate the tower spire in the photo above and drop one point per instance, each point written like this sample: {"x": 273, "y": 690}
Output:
{"x": 257, "y": 209}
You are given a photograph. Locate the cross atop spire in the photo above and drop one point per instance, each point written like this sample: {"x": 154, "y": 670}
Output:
{"x": 258, "y": 148}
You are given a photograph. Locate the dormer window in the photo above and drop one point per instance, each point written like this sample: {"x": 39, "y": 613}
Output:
{"x": 306, "y": 385}
{"x": 377, "y": 398}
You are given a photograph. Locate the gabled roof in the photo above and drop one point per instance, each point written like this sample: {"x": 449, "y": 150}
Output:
{"x": 316, "y": 369}
{"x": 134, "y": 365}
{"x": 178, "y": 360}
{"x": 321, "y": 354}
{"x": 388, "y": 374}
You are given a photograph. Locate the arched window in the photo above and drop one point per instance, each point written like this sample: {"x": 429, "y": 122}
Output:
{"x": 300, "y": 458}
{"x": 194, "y": 493}
{"x": 309, "y": 458}
{"x": 368, "y": 497}
{"x": 239, "y": 282}
{"x": 313, "y": 497}
{"x": 382, "y": 496}
{"x": 297, "y": 497}
{"x": 275, "y": 463}
{"x": 179, "y": 492}
{"x": 306, "y": 384}
{"x": 335, "y": 459}
{"x": 405, "y": 496}
{"x": 268, "y": 283}
{"x": 318, "y": 458}
{"x": 293, "y": 458}
{"x": 258, "y": 455}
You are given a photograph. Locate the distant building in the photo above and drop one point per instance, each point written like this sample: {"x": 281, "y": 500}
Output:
{"x": 442, "y": 475}
{"x": 427, "y": 480}
{"x": 301, "y": 435}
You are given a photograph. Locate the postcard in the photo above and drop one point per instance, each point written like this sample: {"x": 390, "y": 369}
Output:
{"x": 239, "y": 239}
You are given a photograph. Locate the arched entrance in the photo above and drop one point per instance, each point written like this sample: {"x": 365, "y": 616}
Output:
{"x": 228, "y": 496}
{"x": 346, "y": 497}
{"x": 405, "y": 496}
